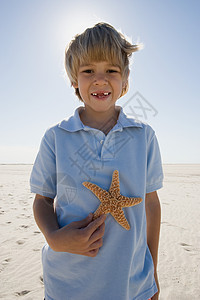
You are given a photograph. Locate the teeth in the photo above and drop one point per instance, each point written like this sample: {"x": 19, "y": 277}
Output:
{"x": 105, "y": 94}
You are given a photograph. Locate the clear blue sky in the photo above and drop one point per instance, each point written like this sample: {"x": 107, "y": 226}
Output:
{"x": 35, "y": 93}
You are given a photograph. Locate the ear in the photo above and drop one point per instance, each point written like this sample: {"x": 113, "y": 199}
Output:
{"x": 75, "y": 85}
{"x": 128, "y": 74}
{"x": 125, "y": 81}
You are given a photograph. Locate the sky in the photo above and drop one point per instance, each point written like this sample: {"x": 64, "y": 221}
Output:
{"x": 164, "y": 81}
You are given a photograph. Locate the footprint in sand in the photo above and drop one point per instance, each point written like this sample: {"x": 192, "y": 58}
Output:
{"x": 37, "y": 232}
{"x": 183, "y": 244}
{"x": 24, "y": 226}
{"x": 22, "y": 293}
{"x": 186, "y": 245}
{"x": 6, "y": 261}
{"x": 20, "y": 242}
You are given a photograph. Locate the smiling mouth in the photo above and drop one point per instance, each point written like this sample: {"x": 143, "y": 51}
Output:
{"x": 102, "y": 95}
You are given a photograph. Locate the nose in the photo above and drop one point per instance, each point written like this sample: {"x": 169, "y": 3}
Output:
{"x": 100, "y": 79}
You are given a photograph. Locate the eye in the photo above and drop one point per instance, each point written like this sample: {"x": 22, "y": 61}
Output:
{"x": 112, "y": 71}
{"x": 88, "y": 71}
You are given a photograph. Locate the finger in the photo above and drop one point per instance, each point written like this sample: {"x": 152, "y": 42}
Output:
{"x": 97, "y": 244}
{"x": 90, "y": 253}
{"x": 99, "y": 233}
{"x": 93, "y": 253}
{"x": 82, "y": 223}
{"x": 92, "y": 227}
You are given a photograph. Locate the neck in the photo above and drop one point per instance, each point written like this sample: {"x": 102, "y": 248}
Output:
{"x": 103, "y": 121}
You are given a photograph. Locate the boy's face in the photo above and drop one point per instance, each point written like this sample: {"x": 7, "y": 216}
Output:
{"x": 100, "y": 84}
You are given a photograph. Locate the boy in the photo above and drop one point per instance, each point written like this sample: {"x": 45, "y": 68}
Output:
{"x": 86, "y": 258}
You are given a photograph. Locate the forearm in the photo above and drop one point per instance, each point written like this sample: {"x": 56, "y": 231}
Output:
{"x": 45, "y": 215}
{"x": 153, "y": 215}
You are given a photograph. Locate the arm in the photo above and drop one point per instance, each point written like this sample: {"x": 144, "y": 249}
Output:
{"x": 153, "y": 215}
{"x": 82, "y": 237}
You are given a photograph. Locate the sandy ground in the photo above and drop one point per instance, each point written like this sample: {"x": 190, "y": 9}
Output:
{"x": 179, "y": 252}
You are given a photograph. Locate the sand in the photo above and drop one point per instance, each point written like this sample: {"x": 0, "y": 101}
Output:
{"x": 179, "y": 252}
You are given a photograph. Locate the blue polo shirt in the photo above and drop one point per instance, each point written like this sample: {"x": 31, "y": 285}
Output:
{"x": 71, "y": 153}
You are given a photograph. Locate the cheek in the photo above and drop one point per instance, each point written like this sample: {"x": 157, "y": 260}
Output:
{"x": 80, "y": 86}
{"x": 119, "y": 91}
{"x": 118, "y": 87}
{"x": 82, "y": 83}
{"x": 83, "y": 90}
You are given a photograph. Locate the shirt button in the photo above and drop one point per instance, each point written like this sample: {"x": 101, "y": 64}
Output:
{"x": 101, "y": 142}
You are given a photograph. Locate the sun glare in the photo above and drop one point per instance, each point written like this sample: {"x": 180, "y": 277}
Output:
{"x": 72, "y": 24}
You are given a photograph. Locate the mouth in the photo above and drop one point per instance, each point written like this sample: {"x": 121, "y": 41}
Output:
{"x": 101, "y": 95}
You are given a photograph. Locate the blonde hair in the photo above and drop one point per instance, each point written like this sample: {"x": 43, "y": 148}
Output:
{"x": 99, "y": 43}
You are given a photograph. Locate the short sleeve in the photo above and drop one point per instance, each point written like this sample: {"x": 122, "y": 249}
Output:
{"x": 43, "y": 175}
{"x": 154, "y": 166}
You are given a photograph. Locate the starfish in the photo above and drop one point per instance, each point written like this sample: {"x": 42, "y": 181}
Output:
{"x": 112, "y": 201}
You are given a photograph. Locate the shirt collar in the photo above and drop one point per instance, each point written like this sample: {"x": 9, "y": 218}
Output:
{"x": 74, "y": 123}
{"x": 125, "y": 121}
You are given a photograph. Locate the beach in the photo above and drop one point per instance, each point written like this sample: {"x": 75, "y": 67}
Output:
{"x": 179, "y": 252}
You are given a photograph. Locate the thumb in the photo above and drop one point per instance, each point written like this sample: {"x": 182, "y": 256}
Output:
{"x": 82, "y": 223}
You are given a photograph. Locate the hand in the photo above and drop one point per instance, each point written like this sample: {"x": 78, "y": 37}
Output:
{"x": 83, "y": 237}
{"x": 156, "y": 296}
